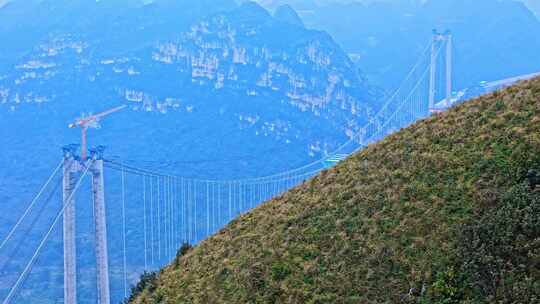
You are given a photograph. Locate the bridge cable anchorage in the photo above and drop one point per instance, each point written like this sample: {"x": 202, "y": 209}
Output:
{"x": 124, "y": 261}
{"x": 29, "y": 265}
{"x": 31, "y": 205}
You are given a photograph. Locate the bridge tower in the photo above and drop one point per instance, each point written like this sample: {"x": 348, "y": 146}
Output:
{"x": 439, "y": 41}
{"x": 102, "y": 257}
{"x": 72, "y": 168}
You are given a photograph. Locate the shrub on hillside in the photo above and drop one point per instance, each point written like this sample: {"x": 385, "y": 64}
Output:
{"x": 184, "y": 249}
{"x": 147, "y": 281}
{"x": 500, "y": 252}
{"x": 497, "y": 254}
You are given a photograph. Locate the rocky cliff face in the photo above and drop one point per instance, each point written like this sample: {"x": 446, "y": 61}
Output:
{"x": 215, "y": 90}
{"x": 233, "y": 58}
{"x": 264, "y": 55}
{"x": 386, "y": 37}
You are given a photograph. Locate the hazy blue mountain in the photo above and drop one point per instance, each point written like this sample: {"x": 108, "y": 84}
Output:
{"x": 285, "y": 13}
{"x": 493, "y": 39}
{"x": 534, "y": 5}
{"x": 107, "y": 24}
{"x": 296, "y": 4}
{"x": 265, "y": 76}
{"x": 240, "y": 92}
{"x": 215, "y": 90}
{"x": 307, "y": 5}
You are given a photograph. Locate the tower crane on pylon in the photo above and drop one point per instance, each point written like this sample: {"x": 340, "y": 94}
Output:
{"x": 91, "y": 121}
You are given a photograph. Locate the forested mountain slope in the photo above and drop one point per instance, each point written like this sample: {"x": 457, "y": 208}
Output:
{"x": 444, "y": 211}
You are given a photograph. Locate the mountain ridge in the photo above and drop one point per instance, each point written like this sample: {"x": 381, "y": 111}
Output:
{"x": 214, "y": 91}
{"x": 286, "y": 13}
{"x": 385, "y": 37}
{"x": 242, "y": 56}
{"x": 393, "y": 223}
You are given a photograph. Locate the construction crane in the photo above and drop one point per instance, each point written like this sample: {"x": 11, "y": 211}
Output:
{"x": 91, "y": 121}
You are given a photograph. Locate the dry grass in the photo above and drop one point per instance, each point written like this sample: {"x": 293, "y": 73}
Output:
{"x": 376, "y": 226}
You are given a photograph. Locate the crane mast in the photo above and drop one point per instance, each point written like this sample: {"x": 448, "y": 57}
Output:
{"x": 91, "y": 121}
{"x": 72, "y": 167}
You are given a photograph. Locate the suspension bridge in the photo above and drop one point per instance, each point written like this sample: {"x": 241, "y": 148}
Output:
{"x": 114, "y": 220}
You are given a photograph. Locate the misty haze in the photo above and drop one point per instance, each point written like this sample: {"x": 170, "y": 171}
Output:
{"x": 271, "y": 151}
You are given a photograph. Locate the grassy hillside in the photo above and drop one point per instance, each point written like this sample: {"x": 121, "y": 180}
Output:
{"x": 441, "y": 212}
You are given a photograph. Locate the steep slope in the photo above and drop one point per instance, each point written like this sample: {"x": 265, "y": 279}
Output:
{"x": 214, "y": 89}
{"x": 398, "y": 222}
